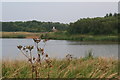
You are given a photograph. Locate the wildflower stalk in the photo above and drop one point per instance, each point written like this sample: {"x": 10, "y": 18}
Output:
{"x": 24, "y": 54}
{"x": 36, "y": 62}
{"x": 31, "y": 56}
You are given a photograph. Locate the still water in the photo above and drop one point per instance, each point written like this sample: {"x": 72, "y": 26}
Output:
{"x": 58, "y": 48}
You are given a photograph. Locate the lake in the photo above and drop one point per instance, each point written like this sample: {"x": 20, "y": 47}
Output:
{"x": 59, "y": 48}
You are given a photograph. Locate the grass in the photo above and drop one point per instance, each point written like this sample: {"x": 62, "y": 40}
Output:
{"x": 62, "y": 36}
{"x": 62, "y": 68}
{"x": 19, "y": 34}
{"x": 80, "y": 37}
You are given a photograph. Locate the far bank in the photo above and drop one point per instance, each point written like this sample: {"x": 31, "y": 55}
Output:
{"x": 62, "y": 36}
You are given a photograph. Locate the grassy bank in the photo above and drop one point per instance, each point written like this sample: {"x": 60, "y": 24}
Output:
{"x": 62, "y": 36}
{"x": 80, "y": 37}
{"x": 77, "y": 68}
{"x": 18, "y": 34}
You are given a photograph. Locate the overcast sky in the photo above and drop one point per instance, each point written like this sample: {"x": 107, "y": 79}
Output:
{"x": 63, "y": 12}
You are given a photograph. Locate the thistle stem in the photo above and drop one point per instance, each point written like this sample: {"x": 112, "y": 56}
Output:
{"x": 24, "y": 54}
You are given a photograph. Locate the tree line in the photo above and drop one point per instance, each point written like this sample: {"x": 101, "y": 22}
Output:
{"x": 32, "y": 26}
{"x": 95, "y": 26}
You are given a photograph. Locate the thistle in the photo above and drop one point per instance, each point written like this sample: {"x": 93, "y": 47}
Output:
{"x": 36, "y": 62}
{"x": 19, "y": 47}
{"x": 36, "y": 40}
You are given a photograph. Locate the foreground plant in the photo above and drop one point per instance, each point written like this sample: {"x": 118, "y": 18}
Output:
{"x": 36, "y": 62}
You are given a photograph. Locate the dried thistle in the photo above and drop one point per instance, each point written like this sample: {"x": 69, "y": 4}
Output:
{"x": 69, "y": 57}
{"x": 36, "y": 40}
{"x": 40, "y": 49}
{"x": 46, "y": 55}
{"x": 36, "y": 61}
{"x": 19, "y": 47}
{"x": 42, "y": 53}
{"x": 33, "y": 58}
{"x": 29, "y": 47}
{"x": 24, "y": 48}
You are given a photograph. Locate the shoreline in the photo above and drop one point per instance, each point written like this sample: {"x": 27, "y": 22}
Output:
{"x": 82, "y": 42}
{"x": 62, "y": 36}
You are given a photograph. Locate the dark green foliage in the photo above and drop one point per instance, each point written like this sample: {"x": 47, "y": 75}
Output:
{"x": 79, "y": 37}
{"x": 106, "y": 25}
{"x": 33, "y": 26}
{"x": 96, "y": 26}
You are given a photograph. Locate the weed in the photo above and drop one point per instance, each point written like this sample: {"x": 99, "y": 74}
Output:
{"x": 36, "y": 62}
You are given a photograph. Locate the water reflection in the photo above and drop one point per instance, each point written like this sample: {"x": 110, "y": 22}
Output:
{"x": 59, "y": 48}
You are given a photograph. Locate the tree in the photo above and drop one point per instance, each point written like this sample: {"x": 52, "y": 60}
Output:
{"x": 110, "y": 14}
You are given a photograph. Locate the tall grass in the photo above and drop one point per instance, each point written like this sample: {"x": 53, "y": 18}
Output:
{"x": 76, "y": 68}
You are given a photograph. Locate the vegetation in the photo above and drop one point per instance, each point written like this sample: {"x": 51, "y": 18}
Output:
{"x": 96, "y": 26}
{"x": 86, "y": 29}
{"x": 35, "y": 62}
{"x": 43, "y": 66}
{"x": 62, "y": 36}
{"x": 19, "y": 34}
{"x": 82, "y": 37}
{"x": 32, "y": 26}
{"x": 76, "y": 68}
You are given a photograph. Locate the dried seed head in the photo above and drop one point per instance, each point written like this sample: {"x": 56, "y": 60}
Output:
{"x": 46, "y": 55}
{"x": 69, "y": 56}
{"x": 38, "y": 59}
{"x": 33, "y": 58}
{"x": 24, "y": 48}
{"x": 42, "y": 53}
{"x": 19, "y": 47}
{"x": 29, "y": 60}
{"x": 40, "y": 49}
{"x": 36, "y": 40}
{"x": 29, "y": 47}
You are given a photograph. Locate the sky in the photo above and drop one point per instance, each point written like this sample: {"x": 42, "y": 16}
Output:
{"x": 64, "y": 12}
{"x": 60, "y": 0}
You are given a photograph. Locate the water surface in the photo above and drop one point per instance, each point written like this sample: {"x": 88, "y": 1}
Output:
{"x": 59, "y": 48}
